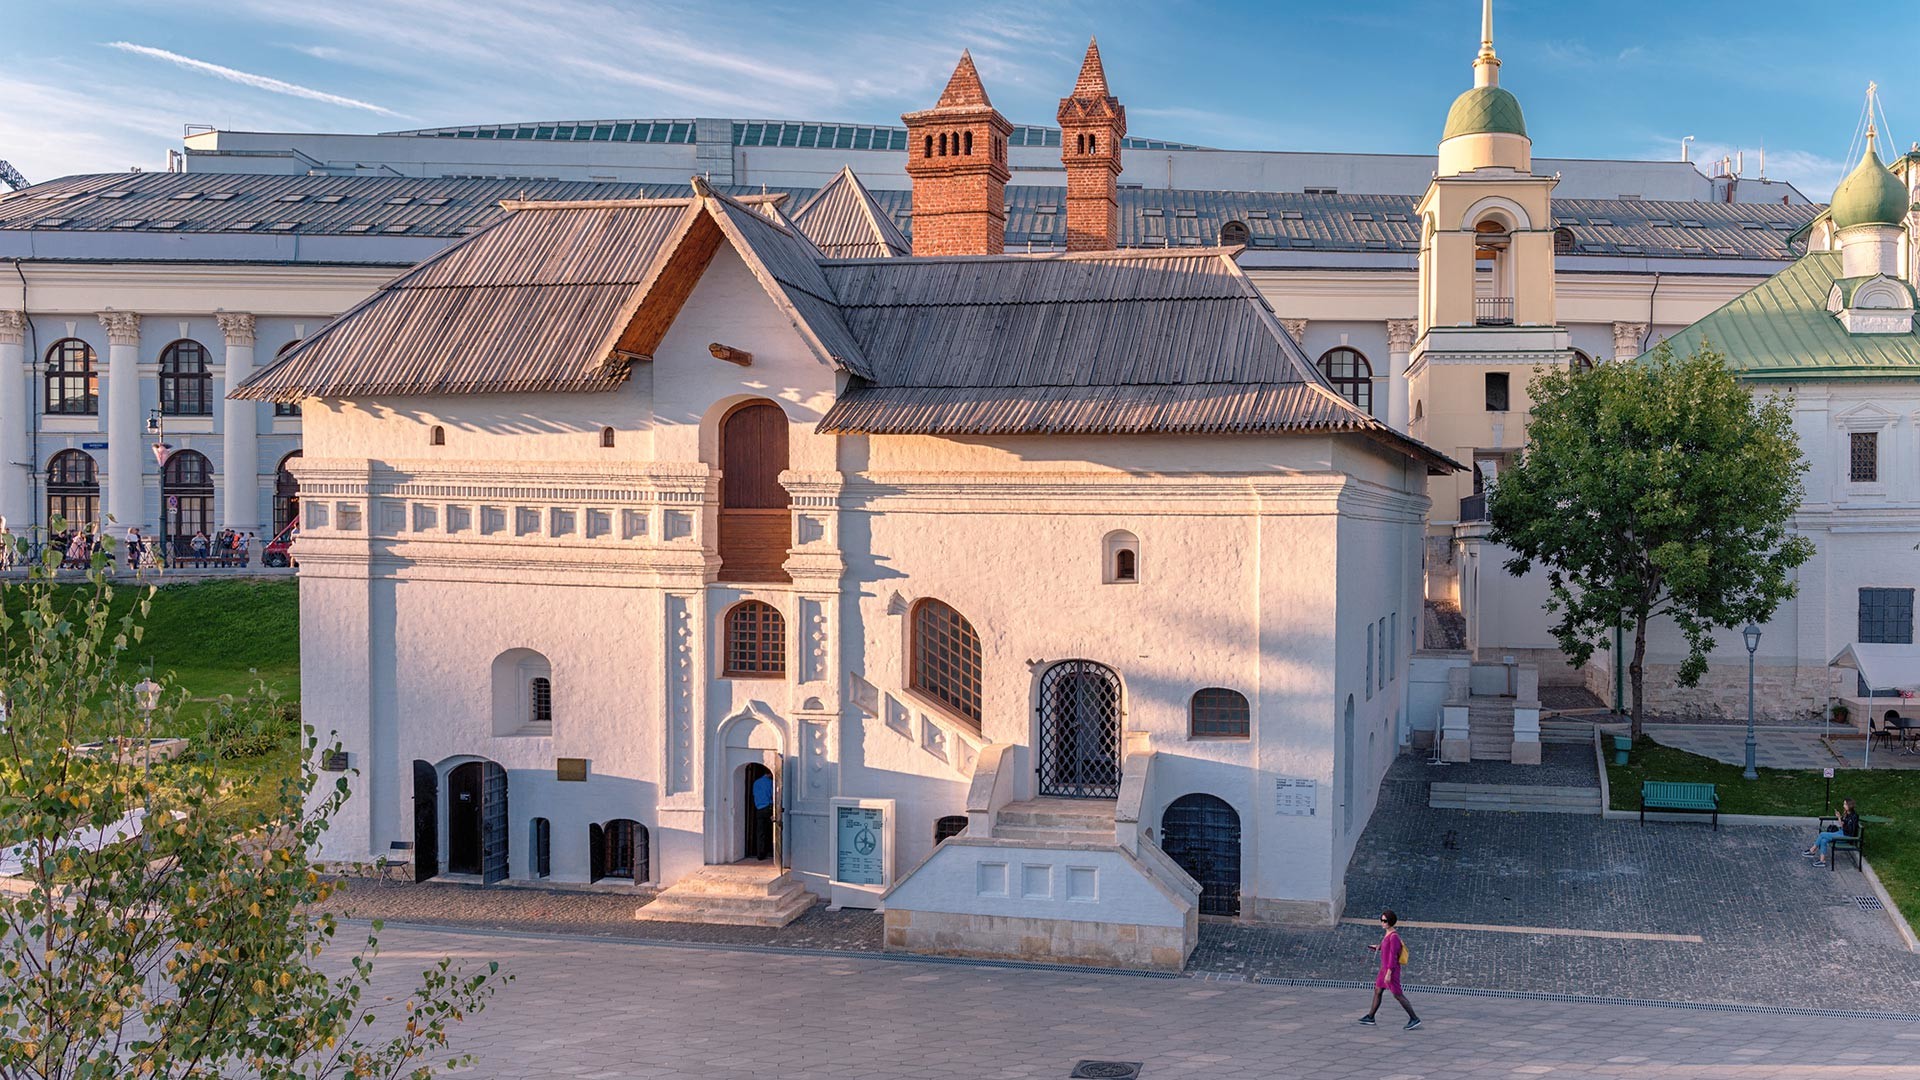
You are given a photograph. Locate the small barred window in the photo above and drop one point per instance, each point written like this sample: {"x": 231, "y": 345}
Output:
{"x": 1220, "y": 713}
{"x": 756, "y": 641}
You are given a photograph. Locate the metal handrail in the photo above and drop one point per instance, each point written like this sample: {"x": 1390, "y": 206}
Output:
{"x": 1493, "y": 311}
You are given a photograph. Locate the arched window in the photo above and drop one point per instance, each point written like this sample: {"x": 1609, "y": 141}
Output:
{"x": 756, "y": 525}
{"x": 73, "y": 380}
{"x": 1217, "y": 713}
{"x": 1235, "y": 232}
{"x": 756, "y": 641}
{"x": 1562, "y": 240}
{"x": 943, "y": 144}
{"x": 73, "y": 489}
{"x": 186, "y": 386}
{"x": 946, "y": 658}
{"x": 1581, "y": 362}
{"x": 606, "y": 438}
{"x": 186, "y": 498}
{"x": 522, "y": 693}
{"x": 286, "y": 408}
{"x": 1093, "y": 143}
{"x": 1122, "y": 556}
{"x": 437, "y": 436}
{"x": 948, "y": 827}
{"x": 619, "y": 849}
{"x": 286, "y": 495}
{"x": 1351, "y": 376}
{"x": 929, "y": 152}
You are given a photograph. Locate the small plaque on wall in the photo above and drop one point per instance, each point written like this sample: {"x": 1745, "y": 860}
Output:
{"x": 334, "y": 761}
{"x": 570, "y": 768}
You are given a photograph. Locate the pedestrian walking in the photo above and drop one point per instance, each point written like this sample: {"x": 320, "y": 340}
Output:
{"x": 1393, "y": 954}
{"x": 199, "y": 546}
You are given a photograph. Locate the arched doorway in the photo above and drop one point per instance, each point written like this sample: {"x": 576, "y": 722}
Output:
{"x": 186, "y": 500}
{"x": 286, "y": 496}
{"x": 755, "y": 523}
{"x": 1080, "y": 731}
{"x": 748, "y": 793}
{"x": 1201, "y": 833}
{"x": 477, "y": 820}
{"x": 758, "y": 801}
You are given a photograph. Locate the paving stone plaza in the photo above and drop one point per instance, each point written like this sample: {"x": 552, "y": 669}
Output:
{"x": 716, "y": 1013}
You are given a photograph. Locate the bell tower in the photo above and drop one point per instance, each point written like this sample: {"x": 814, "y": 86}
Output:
{"x": 1092, "y": 125}
{"x": 957, "y": 158}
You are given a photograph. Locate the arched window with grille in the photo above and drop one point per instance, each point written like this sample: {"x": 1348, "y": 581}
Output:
{"x": 1219, "y": 713}
{"x": 606, "y": 438}
{"x": 1235, "y": 232}
{"x": 186, "y": 498}
{"x": 1351, "y": 376}
{"x": 756, "y": 641}
{"x": 186, "y": 383}
{"x": 73, "y": 379}
{"x": 540, "y": 700}
{"x": 73, "y": 489}
{"x": 286, "y": 408}
{"x": 945, "y": 663}
{"x": 522, "y": 693}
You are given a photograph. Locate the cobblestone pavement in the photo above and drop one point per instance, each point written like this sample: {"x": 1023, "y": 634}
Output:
{"x": 1561, "y": 765}
{"x": 1775, "y": 929}
{"x": 615, "y": 1010}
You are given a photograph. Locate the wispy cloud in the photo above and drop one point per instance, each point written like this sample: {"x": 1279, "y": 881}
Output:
{"x": 247, "y": 78}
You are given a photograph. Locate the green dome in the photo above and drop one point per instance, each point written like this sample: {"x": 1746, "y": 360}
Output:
{"x": 1485, "y": 110}
{"x": 1870, "y": 195}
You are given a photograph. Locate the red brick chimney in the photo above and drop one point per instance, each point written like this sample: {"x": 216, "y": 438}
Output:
{"x": 957, "y": 157}
{"x": 1092, "y": 123}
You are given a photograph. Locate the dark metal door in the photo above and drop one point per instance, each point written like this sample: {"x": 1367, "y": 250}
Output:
{"x": 463, "y": 818}
{"x": 1201, "y": 834}
{"x": 493, "y": 824}
{"x": 596, "y": 853}
{"x": 426, "y": 820}
{"x": 1080, "y": 731}
{"x": 542, "y": 847}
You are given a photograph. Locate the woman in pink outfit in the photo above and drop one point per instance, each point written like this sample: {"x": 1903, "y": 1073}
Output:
{"x": 1388, "y": 979}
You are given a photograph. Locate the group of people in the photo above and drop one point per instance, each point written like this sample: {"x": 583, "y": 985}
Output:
{"x": 228, "y": 547}
{"x": 78, "y": 545}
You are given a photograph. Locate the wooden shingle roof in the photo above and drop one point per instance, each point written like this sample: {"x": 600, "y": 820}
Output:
{"x": 845, "y": 222}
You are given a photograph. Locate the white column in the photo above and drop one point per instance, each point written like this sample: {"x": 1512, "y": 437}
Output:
{"x": 126, "y": 424}
{"x": 16, "y": 452}
{"x": 1400, "y": 334}
{"x": 240, "y": 435}
{"x": 1627, "y": 338}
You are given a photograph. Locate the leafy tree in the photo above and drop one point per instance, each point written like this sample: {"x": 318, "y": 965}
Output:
{"x": 1660, "y": 488}
{"x": 192, "y": 950}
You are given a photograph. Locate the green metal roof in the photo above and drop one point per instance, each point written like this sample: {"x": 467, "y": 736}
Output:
{"x": 1870, "y": 195}
{"x": 1781, "y": 329}
{"x": 1485, "y": 110}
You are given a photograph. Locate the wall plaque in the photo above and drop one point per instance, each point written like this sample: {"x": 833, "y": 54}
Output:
{"x": 570, "y": 768}
{"x": 1295, "y": 797}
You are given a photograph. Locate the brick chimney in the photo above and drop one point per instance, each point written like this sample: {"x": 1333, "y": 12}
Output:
{"x": 1092, "y": 123}
{"x": 957, "y": 157}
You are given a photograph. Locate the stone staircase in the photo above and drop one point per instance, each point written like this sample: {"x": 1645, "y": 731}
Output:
{"x": 1490, "y": 728}
{"x": 1056, "y": 821}
{"x": 1514, "y": 798}
{"x": 740, "y": 894}
{"x": 1566, "y": 729}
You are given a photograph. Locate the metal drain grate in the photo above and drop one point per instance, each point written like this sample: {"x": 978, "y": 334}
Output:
{"x": 1106, "y": 1070}
{"x": 1867, "y": 903}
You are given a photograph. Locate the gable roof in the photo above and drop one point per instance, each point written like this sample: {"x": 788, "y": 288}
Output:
{"x": 1781, "y": 329}
{"x": 844, "y": 221}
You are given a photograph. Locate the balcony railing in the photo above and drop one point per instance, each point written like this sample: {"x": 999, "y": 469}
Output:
{"x": 1493, "y": 311}
{"x": 1473, "y": 508}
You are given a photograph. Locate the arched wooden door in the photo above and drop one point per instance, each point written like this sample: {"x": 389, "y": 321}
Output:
{"x": 1201, "y": 834}
{"x": 755, "y": 524}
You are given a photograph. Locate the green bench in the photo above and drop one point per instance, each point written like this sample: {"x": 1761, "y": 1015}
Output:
{"x": 1671, "y": 797}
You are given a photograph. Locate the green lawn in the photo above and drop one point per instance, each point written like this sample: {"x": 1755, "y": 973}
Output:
{"x": 1893, "y": 846}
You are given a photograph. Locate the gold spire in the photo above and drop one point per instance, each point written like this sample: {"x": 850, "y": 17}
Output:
{"x": 1486, "y": 66}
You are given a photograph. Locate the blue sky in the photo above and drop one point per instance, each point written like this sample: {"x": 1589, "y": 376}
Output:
{"x": 89, "y": 86}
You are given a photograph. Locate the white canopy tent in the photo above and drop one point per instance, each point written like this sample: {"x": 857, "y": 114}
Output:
{"x": 1881, "y": 667}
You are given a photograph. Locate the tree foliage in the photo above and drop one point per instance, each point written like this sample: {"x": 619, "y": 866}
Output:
{"x": 192, "y": 950}
{"x": 1660, "y": 488}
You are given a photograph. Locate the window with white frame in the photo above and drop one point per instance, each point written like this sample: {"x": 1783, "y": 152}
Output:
{"x": 1863, "y": 457}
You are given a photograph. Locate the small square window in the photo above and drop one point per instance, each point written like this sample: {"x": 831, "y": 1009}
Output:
{"x": 1863, "y": 459}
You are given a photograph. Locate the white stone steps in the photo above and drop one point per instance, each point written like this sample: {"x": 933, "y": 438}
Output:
{"x": 744, "y": 894}
{"x": 1514, "y": 798}
{"x": 1049, "y": 835}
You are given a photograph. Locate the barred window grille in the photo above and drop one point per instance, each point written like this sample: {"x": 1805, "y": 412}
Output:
{"x": 946, "y": 658}
{"x": 756, "y": 641}
{"x": 540, "y": 700}
{"x": 1863, "y": 463}
{"x": 1886, "y": 616}
{"x": 1217, "y": 712}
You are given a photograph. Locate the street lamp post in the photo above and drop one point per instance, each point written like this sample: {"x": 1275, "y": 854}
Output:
{"x": 1752, "y": 634}
{"x": 147, "y": 694}
{"x": 157, "y": 429}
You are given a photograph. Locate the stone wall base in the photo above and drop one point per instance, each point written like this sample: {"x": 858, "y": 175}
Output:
{"x": 1052, "y": 941}
{"x": 1455, "y": 750}
{"x": 1293, "y": 912}
{"x": 1780, "y": 692}
{"x": 1526, "y": 751}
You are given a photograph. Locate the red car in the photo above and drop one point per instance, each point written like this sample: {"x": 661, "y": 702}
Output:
{"x": 279, "y": 551}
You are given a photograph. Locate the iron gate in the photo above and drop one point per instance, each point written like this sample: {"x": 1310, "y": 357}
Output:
{"x": 1080, "y": 731}
{"x": 1201, "y": 834}
{"x": 493, "y": 824}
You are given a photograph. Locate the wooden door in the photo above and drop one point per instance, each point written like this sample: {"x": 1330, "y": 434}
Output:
{"x": 426, "y": 821}
{"x": 464, "y": 786}
{"x": 755, "y": 522}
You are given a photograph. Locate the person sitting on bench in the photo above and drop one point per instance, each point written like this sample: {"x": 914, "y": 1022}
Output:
{"x": 1848, "y": 829}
